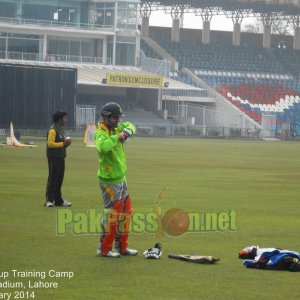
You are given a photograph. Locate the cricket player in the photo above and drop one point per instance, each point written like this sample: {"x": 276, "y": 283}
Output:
{"x": 109, "y": 139}
{"x": 56, "y": 153}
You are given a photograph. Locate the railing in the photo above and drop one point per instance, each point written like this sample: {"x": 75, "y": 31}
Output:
{"x": 185, "y": 92}
{"x": 77, "y": 59}
{"x": 153, "y": 130}
{"x": 181, "y": 130}
{"x": 59, "y": 24}
{"x": 156, "y": 66}
{"x": 20, "y": 56}
{"x": 53, "y": 57}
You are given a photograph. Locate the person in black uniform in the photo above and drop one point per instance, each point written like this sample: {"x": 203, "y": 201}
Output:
{"x": 56, "y": 154}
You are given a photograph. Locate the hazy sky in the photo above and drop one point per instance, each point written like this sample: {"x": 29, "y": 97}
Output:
{"x": 159, "y": 18}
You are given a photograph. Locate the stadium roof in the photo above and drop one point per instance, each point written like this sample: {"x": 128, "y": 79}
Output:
{"x": 254, "y": 6}
{"x": 94, "y": 74}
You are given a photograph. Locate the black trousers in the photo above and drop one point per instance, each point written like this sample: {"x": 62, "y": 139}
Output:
{"x": 56, "y": 167}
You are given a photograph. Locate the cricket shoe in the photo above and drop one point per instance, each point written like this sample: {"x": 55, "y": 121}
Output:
{"x": 111, "y": 254}
{"x": 130, "y": 252}
{"x": 108, "y": 254}
{"x": 127, "y": 252}
{"x": 65, "y": 203}
{"x": 49, "y": 204}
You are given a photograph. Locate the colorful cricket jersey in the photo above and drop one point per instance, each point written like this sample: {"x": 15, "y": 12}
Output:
{"x": 112, "y": 158}
{"x": 271, "y": 258}
{"x": 55, "y": 141}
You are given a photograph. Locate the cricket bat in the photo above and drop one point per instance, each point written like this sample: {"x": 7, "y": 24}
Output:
{"x": 195, "y": 258}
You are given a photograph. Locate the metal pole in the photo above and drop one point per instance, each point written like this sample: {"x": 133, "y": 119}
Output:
{"x": 6, "y": 47}
{"x": 114, "y": 37}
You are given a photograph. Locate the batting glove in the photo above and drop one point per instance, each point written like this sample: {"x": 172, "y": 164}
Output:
{"x": 153, "y": 253}
{"x": 128, "y": 133}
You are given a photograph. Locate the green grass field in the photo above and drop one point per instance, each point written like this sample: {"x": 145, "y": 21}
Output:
{"x": 259, "y": 180}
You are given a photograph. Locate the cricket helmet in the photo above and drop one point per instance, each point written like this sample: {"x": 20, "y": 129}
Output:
{"x": 248, "y": 252}
{"x": 111, "y": 109}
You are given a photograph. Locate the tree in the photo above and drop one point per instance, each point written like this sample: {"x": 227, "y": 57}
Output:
{"x": 251, "y": 27}
{"x": 281, "y": 27}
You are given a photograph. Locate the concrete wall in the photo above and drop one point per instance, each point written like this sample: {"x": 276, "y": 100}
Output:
{"x": 101, "y": 90}
{"x": 149, "y": 99}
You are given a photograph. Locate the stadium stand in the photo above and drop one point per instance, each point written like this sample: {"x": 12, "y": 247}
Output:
{"x": 139, "y": 115}
{"x": 221, "y": 57}
{"x": 290, "y": 58}
{"x": 148, "y": 51}
{"x": 256, "y": 80}
{"x": 133, "y": 110}
{"x": 259, "y": 98}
